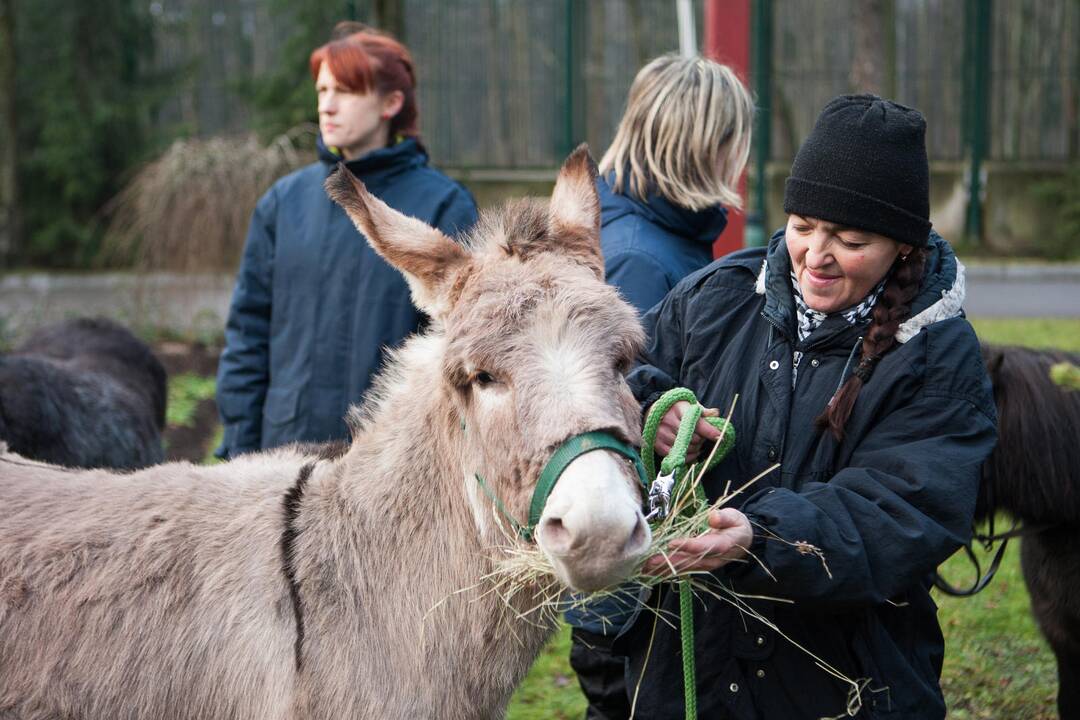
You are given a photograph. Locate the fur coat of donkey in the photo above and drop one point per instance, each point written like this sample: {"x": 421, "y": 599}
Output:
{"x": 83, "y": 393}
{"x": 292, "y": 584}
{"x": 1034, "y": 475}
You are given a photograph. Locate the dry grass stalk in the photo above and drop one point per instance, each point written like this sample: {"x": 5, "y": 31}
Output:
{"x": 188, "y": 211}
{"x": 526, "y": 569}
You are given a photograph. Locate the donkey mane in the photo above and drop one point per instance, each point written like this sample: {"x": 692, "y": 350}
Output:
{"x": 524, "y": 228}
{"x": 1034, "y": 471}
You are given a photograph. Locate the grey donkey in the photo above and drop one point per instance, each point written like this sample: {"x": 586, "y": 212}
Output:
{"x": 300, "y": 584}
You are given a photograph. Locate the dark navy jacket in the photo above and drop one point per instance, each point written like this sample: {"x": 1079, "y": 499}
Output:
{"x": 650, "y": 246}
{"x": 885, "y": 506}
{"x": 314, "y": 307}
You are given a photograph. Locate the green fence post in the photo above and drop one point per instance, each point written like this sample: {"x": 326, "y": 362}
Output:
{"x": 757, "y": 220}
{"x": 576, "y": 17}
{"x": 977, "y": 59}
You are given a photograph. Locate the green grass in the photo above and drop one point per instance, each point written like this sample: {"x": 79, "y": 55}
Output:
{"x": 185, "y": 393}
{"x": 1063, "y": 334}
{"x": 551, "y": 691}
{"x": 996, "y": 663}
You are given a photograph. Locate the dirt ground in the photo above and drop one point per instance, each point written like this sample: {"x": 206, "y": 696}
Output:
{"x": 190, "y": 443}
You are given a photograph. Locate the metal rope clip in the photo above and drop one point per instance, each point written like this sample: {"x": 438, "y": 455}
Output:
{"x": 660, "y": 496}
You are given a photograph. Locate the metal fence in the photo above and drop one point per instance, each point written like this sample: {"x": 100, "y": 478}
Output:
{"x": 515, "y": 83}
{"x": 1035, "y": 80}
{"x": 518, "y": 84}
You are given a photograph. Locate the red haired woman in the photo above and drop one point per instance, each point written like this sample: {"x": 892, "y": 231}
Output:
{"x": 314, "y": 308}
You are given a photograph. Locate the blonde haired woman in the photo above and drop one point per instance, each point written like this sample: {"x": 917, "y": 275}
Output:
{"x": 665, "y": 186}
{"x": 671, "y": 172}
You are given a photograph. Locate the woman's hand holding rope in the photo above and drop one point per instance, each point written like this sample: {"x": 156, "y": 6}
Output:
{"x": 728, "y": 538}
{"x": 730, "y": 533}
{"x": 669, "y": 428}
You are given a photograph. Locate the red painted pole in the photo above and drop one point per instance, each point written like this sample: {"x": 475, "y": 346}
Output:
{"x": 727, "y": 40}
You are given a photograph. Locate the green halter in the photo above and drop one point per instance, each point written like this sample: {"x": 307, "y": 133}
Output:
{"x": 573, "y": 448}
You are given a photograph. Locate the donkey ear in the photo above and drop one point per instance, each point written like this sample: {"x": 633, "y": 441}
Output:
{"x": 575, "y": 210}
{"x": 424, "y": 255}
{"x": 994, "y": 357}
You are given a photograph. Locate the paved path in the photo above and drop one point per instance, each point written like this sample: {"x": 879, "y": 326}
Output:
{"x": 192, "y": 305}
{"x": 1023, "y": 290}
{"x": 196, "y": 305}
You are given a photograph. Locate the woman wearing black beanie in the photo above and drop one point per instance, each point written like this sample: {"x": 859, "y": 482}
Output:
{"x": 856, "y": 372}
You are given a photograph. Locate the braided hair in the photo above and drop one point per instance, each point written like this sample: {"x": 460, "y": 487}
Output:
{"x": 892, "y": 308}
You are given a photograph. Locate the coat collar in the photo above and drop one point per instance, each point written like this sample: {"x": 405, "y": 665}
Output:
{"x": 403, "y": 155}
{"x": 699, "y": 226}
{"x": 940, "y": 297}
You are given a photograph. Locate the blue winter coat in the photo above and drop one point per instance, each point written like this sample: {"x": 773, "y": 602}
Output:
{"x": 651, "y": 245}
{"x": 315, "y": 308}
{"x": 885, "y": 506}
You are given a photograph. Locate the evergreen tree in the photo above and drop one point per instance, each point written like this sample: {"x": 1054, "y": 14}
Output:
{"x": 285, "y": 97}
{"x": 9, "y": 201}
{"x": 84, "y": 105}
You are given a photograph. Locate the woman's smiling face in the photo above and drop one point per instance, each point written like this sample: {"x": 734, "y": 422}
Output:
{"x": 837, "y": 266}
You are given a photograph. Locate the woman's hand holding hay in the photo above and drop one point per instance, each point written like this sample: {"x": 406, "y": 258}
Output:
{"x": 728, "y": 538}
{"x": 669, "y": 428}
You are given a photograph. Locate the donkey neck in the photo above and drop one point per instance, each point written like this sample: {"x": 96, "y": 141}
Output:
{"x": 406, "y": 542}
{"x": 405, "y": 459}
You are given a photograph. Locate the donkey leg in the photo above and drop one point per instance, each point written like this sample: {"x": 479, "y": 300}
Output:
{"x": 1068, "y": 663}
{"x": 1052, "y": 572}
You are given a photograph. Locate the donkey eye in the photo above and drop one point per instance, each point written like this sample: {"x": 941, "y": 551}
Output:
{"x": 483, "y": 378}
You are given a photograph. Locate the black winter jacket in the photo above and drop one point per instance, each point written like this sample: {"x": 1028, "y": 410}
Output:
{"x": 885, "y": 506}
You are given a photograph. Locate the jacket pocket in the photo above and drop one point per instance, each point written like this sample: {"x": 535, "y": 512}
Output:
{"x": 877, "y": 698}
{"x": 280, "y": 405}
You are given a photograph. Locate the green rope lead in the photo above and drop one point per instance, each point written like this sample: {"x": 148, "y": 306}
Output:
{"x": 676, "y": 458}
{"x": 686, "y": 633}
{"x": 674, "y": 464}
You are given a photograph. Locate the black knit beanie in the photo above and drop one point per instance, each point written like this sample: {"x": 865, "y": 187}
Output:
{"x": 864, "y": 166}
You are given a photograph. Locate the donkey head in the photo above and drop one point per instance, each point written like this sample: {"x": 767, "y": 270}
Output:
{"x": 534, "y": 349}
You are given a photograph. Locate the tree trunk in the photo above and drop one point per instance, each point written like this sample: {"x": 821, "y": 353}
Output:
{"x": 867, "y": 62}
{"x": 9, "y": 195}
{"x": 390, "y": 18}
{"x": 598, "y": 115}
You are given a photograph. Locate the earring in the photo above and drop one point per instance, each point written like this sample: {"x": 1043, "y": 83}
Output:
{"x": 903, "y": 258}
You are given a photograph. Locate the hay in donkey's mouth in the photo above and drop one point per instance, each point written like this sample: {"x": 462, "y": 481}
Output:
{"x": 525, "y": 567}
{"x": 524, "y": 572}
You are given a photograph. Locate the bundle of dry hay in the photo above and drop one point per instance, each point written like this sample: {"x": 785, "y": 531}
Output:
{"x": 188, "y": 211}
{"x": 524, "y": 568}
{"x": 526, "y": 576}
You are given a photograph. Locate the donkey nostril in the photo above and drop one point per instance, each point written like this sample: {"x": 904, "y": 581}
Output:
{"x": 556, "y": 536}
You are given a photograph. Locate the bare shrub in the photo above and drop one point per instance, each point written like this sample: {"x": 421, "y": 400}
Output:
{"x": 188, "y": 211}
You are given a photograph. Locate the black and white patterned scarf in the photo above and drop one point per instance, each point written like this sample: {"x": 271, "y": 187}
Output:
{"x": 808, "y": 319}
